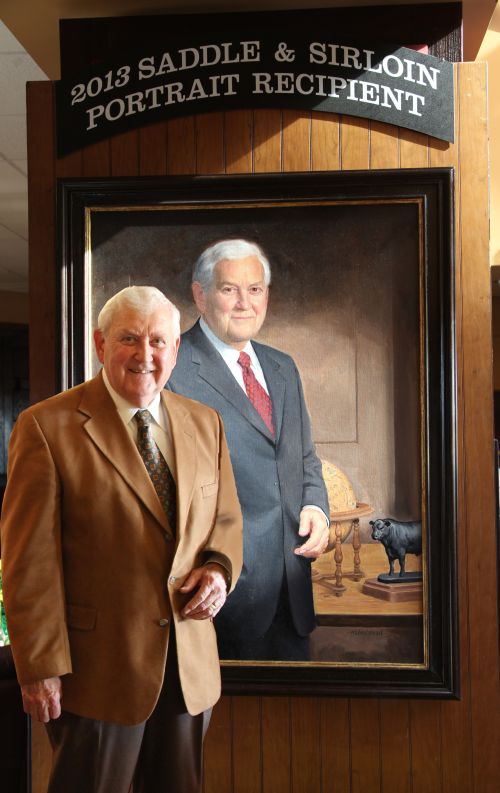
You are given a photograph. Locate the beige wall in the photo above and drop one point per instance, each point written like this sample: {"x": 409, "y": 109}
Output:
{"x": 14, "y": 308}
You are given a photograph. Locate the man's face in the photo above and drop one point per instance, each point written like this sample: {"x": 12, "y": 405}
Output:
{"x": 138, "y": 353}
{"x": 235, "y": 305}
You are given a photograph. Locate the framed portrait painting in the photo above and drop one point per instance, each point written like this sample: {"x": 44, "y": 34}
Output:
{"x": 362, "y": 299}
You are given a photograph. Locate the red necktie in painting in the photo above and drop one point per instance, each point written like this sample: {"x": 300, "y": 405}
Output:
{"x": 156, "y": 466}
{"x": 257, "y": 395}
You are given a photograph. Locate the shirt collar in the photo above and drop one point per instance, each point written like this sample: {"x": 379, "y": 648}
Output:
{"x": 228, "y": 353}
{"x": 128, "y": 411}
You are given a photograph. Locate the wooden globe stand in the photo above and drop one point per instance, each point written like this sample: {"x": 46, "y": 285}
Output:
{"x": 337, "y": 519}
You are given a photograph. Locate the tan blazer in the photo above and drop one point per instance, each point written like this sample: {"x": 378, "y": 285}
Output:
{"x": 91, "y": 575}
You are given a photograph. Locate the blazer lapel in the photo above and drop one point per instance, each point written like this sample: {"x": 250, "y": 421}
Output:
{"x": 213, "y": 369}
{"x": 109, "y": 434}
{"x": 184, "y": 441}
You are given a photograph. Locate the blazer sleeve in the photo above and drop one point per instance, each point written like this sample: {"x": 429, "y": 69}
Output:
{"x": 31, "y": 556}
{"x": 314, "y": 488}
{"x": 225, "y": 543}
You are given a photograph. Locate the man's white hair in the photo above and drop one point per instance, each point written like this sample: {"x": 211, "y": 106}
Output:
{"x": 144, "y": 300}
{"x": 203, "y": 270}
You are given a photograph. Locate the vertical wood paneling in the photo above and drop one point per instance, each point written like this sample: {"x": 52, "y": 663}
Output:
{"x": 296, "y": 140}
{"x": 414, "y": 149}
{"x": 394, "y": 747}
{"x": 125, "y": 154}
{"x": 210, "y": 143}
{"x": 335, "y": 746}
{"x": 238, "y": 132}
{"x": 217, "y": 773}
{"x": 181, "y": 146}
{"x": 247, "y": 747}
{"x": 456, "y": 736}
{"x": 365, "y": 742}
{"x": 425, "y": 747}
{"x": 153, "y": 149}
{"x": 456, "y": 727}
{"x": 306, "y": 745}
{"x": 70, "y": 165}
{"x": 355, "y": 143}
{"x": 267, "y": 141}
{"x": 478, "y": 428}
{"x": 97, "y": 159}
{"x": 42, "y": 249}
{"x": 384, "y": 145}
{"x": 276, "y": 745}
{"x": 325, "y": 142}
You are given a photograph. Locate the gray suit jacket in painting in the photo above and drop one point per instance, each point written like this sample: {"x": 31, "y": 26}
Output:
{"x": 275, "y": 478}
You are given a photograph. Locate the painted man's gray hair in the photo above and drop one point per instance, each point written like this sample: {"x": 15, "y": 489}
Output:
{"x": 144, "y": 300}
{"x": 203, "y": 271}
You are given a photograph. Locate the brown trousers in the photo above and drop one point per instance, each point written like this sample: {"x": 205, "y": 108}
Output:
{"x": 161, "y": 755}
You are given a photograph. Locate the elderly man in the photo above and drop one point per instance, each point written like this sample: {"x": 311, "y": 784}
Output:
{"x": 121, "y": 531}
{"x": 257, "y": 391}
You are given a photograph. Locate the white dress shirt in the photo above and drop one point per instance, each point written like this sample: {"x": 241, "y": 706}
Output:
{"x": 160, "y": 427}
{"x": 230, "y": 356}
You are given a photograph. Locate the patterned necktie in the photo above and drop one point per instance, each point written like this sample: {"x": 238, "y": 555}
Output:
{"x": 156, "y": 466}
{"x": 256, "y": 394}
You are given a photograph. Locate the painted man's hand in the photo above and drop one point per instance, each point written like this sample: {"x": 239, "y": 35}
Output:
{"x": 210, "y": 595}
{"x": 42, "y": 700}
{"x": 313, "y": 524}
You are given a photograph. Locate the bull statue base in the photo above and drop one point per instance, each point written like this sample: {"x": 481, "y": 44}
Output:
{"x": 397, "y": 578}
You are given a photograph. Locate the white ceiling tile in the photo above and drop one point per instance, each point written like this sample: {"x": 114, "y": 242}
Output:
{"x": 16, "y": 70}
{"x": 13, "y": 283}
{"x": 8, "y": 42}
{"x": 21, "y": 165}
{"x": 15, "y": 274}
{"x": 11, "y": 180}
{"x": 14, "y": 213}
{"x": 6, "y": 235}
{"x": 13, "y": 136}
{"x": 14, "y": 265}
{"x": 13, "y": 253}
{"x": 7, "y": 285}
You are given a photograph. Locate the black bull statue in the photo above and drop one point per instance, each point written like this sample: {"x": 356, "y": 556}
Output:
{"x": 398, "y": 539}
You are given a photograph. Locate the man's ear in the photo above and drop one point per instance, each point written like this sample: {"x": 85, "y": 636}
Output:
{"x": 99, "y": 344}
{"x": 199, "y": 296}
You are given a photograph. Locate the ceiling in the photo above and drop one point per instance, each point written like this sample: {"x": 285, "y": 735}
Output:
{"x": 29, "y": 50}
{"x": 16, "y": 67}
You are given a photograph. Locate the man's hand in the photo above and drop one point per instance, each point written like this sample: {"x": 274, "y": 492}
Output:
{"x": 211, "y": 590}
{"x": 42, "y": 700}
{"x": 313, "y": 524}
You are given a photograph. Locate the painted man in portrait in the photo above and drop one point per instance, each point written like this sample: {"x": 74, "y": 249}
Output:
{"x": 257, "y": 391}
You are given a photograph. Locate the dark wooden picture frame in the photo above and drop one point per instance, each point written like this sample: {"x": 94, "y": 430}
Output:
{"x": 302, "y": 218}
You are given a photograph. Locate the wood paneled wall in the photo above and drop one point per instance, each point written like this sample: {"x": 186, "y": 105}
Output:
{"x": 307, "y": 744}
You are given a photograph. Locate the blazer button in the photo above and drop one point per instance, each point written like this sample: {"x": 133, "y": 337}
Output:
{"x": 162, "y": 623}
{"x": 172, "y": 579}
